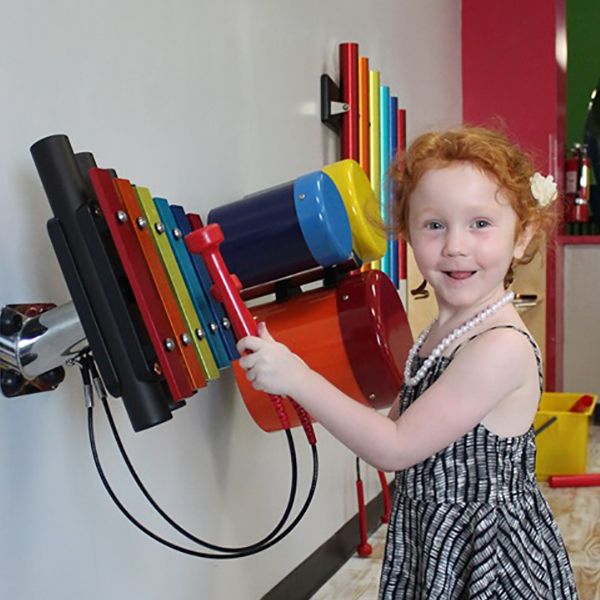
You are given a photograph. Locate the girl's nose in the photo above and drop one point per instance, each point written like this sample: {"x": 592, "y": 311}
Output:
{"x": 455, "y": 244}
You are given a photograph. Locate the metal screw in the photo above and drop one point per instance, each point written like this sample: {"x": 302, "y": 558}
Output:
{"x": 199, "y": 333}
{"x": 159, "y": 227}
{"x": 213, "y": 327}
{"x": 372, "y": 397}
{"x": 96, "y": 211}
{"x": 345, "y": 297}
{"x": 226, "y": 323}
{"x": 177, "y": 233}
{"x": 141, "y": 222}
{"x": 169, "y": 345}
{"x": 301, "y": 196}
{"x": 346, "y": 106}
{"x": 121, "y": 216}
{"x": 186, "y": 340}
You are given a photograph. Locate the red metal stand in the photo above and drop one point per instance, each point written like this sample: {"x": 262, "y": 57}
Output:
{"x": 364, "y": 548}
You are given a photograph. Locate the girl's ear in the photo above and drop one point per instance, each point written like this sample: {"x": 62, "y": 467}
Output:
{"x": 523, "y": 241}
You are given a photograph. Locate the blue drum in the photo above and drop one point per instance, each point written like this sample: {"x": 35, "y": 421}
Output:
{"x": 284, "y": 230}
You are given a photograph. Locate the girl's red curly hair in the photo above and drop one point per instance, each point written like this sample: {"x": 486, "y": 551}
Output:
{"x": 495, "y": 155}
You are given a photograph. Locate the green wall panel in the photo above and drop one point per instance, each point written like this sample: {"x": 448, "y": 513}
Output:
{"x": 583, "y": 62}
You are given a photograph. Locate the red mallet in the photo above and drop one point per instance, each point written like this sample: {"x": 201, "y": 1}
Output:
{"x": 206, "y": 241}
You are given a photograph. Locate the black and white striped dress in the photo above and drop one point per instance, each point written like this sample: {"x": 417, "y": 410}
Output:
{"x": 470, "y": 521}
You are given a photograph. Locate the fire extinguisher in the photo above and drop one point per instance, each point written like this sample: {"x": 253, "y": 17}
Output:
{"x": 577, "y": 185}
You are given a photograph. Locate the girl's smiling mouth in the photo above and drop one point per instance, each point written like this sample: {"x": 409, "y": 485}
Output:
{"x": 459, "y": 274}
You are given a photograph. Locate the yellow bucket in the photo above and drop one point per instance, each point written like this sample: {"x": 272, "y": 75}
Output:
{"x": 562, "y": 445}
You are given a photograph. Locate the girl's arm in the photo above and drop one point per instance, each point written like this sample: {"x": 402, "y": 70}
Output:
{"x": 394, "y": 411}
{"x": 484, "y": 373}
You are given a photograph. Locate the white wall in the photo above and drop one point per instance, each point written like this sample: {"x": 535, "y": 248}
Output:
{"x": 581, "y": 325}
{"x": 203, "y": 102}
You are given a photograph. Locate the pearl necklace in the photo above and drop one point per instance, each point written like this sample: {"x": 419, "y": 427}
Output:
{"x": 453, "y": 335}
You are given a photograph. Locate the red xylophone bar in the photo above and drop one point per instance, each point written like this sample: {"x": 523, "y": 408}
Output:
{"x": 226, "y": 290}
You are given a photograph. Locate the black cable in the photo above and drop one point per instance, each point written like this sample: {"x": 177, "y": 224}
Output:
{"x": 189, "y": 551}
{"x": 232, "y": 553}
{"x": 167, "y": 518}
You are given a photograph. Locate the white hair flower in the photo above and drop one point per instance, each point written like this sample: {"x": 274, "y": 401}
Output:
{"x": 543, "y": 189}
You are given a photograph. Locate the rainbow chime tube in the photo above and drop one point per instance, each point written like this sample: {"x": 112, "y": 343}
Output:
{"x": 381, "y": 129}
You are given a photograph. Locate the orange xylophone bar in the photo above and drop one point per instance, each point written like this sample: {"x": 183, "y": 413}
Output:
{"x": 226, "y": 288}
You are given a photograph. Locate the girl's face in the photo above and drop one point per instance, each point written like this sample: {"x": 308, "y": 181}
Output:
{"x": 462, "y": 231}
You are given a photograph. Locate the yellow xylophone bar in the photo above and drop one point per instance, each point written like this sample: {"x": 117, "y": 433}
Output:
{"x": 180, "y": 290}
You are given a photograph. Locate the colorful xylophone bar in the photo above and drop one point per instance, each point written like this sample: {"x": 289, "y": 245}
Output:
{"x": 146, "y": 295}
{"x": 159, "y": 272}
{"x": 117, "y": 199}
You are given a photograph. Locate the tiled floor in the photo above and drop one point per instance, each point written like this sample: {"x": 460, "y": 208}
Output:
{"x": 577, "y": 511}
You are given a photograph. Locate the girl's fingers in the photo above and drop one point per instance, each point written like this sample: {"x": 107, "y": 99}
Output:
{"x": 247, "y": 361}
{"x": 263, "y": 332}
{"x": 249, "y": 344}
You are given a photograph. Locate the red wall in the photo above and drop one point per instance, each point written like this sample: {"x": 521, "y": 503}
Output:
{"x": 508, "y": 51}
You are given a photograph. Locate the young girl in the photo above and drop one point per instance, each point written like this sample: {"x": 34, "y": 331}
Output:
{"x": 468, "y": 519}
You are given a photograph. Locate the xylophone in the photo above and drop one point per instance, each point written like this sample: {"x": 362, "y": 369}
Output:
{"x": 156, "y": 317}
{"x": 159, "y": 301}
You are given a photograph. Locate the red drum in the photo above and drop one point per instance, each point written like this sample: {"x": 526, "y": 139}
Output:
{"x": 356, "y": 335}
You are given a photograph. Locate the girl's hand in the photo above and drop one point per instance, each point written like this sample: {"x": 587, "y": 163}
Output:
{"x": 271, "y": 366}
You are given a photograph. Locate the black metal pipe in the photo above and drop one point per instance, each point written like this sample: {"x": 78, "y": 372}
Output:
{"x": 97, "y": 284}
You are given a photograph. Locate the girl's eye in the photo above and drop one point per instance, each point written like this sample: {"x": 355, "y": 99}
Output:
{"x": 433, "y": 225}
{"x": 481, "y": 223}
